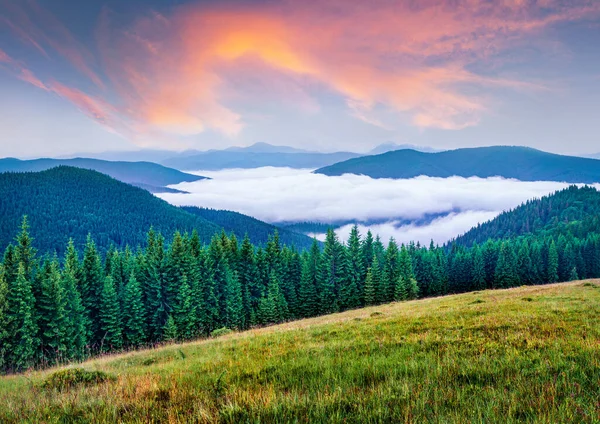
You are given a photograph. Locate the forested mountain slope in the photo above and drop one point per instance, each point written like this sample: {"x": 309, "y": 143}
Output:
{"x": 521, "y": 163}
{"x": 573, "y": 210}
{"x": 69, "y": 202}
{"x": 150, "y": 176}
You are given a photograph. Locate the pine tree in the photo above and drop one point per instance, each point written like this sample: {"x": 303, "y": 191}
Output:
{"x": 506, "y": 272}
{"x": 155, "y": 277}
{"x": 52, "y": 316}
{"x": 24, "y": 252}
{"x": 478, "y": 269}
{"x": 573, "y": 276}
{"x": 552, "y": 271}
{"x": 183, "y": 312}
{"x": 369, "y": 288}
{"x": 354, "y": 283}
{"x": 307, "y": 292}
{"x": 391, "y": 269}
{"x": 3, "y": 317}
{"x": 134, "y": 313}
{"x": 375, "y": 281}
{"x": 169, "y": 330}
{"x": 22, "y": 342}
{"x": 525, "y": 265}
{"x": 272, "y": 306}
{"x": 406, "y": 283}
{"x": 235, "y": 312}
{"x": 109, "y": 317}
{"x": 333, "y": 272}
{"x": 247, "y": 275}
{"x": 367, "y": 253}
{"x": 76, "y": 330}
{"x": 92, "y": 283}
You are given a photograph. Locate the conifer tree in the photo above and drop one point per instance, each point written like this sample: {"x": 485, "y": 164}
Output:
{"x": 376, "y": 278}
{"x": 92, "y": 283}
{"x": 22, "y": 342}
{"x": 367, "y": 253}
{"x": 356, "y": 271}
{"x": 169, "y": 330}
{"x": 333, "y": 272}
{"x": 52, "y": 316}
{"x": 76, "y": 330}
{"x": 391, "y": 269}
{"x": 134, "y": 313}
{"x": 235, "y": 313}
{"x": 506, "y": 273}
{"x": 406, "y": 283}
{"x": 308, "y": 305}
{"x": 478, "y": 269}
{"x": 247, "y": 275}
{"x": 183, "y": 312}
{"x": 273, "y": 307}
{"x": 552, "y": 271}
{"x": 369, "y": 288}
{"x": 155, "y": 277}
{"x": 3, "y": 317}
{"x": 109, "y": 317}
{"x": 25, "y": 253}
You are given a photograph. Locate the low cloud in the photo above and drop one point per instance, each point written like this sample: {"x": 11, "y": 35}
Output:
{"x": 280, "y": 195}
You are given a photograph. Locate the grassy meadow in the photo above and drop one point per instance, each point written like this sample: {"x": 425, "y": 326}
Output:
{"x": 529, "y": 354}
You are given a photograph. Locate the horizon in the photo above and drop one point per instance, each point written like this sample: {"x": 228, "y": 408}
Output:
{"x": 193, "y": 75}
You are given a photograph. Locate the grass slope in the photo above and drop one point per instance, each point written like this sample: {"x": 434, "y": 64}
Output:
{"x": 522, "y": 163}
{"x": 528, "y": 354}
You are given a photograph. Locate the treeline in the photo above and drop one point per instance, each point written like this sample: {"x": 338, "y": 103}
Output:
{"x": 59, "y": 309}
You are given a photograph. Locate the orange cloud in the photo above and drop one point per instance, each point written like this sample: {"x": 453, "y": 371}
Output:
{"x": 179, "y": 74}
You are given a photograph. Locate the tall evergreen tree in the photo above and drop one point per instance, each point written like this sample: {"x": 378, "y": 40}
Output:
{"x": 552, "y": 271}
{"x": 354, "y": 284}
{"x": 134, "y": 313}
{"x": 308, "y": 305}
{"x": 369, "y": 293}
{"x": 333, "y": 272}
{"x": 479, "y": 279}
{"x": 52, "y": 317}
{"x": 506, "y": 272}
{"x": 92, "y": 283}
{"x": 109, "y": 317}
{"x": 3, "y": 317}
{"x": 76, "y": 329}
{"x": 22, "y": 342}
{"x": 235, "y": 312}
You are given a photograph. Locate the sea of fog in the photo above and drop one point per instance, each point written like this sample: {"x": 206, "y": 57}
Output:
{"x": 288, "y": 195}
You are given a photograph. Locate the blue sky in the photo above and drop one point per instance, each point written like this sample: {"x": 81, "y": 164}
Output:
{"x": 329, "y": 75}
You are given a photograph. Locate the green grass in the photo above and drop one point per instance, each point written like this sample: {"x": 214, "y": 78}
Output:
{"x": 529, "y": 354}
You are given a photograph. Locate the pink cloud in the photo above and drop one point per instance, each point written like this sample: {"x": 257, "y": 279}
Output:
{"x": 183, "y": 73}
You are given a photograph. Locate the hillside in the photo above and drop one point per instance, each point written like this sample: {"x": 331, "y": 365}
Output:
{"x": 521, "y": 355}
{"x": 521, "y": 163}
{"x": 573, "y": 211}
{"x": 147, "y": 175}
{"x": 71, "y": 202}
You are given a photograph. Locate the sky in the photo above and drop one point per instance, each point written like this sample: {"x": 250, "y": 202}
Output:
{"x": 418, "y": 209}
{"x": 100, "y": 75}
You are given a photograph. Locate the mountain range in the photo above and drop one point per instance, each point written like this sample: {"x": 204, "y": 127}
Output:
{"x": 256, "y": 155}
{"x": 147, "y": 175}
{"x": 521, "y": 163}
{"x": 73, "y": 202}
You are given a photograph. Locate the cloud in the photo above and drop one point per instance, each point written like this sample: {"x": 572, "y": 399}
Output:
{"x": 36, "y": 26}
{"x": 439, "y": 230}
{"x": 186, "y": 72}
{"x": 289, "y": 195}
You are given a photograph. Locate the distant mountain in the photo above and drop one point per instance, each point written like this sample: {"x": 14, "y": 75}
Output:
{"x": 223, "y": 159}
{"x": 390, "y": 147}
{"x": 521, "y": 163}
{"x": 572, "y": 212}
{"x": 72, "y": 202}
{"x": 265, "y": 148}
{"x": 150, "y": 176}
